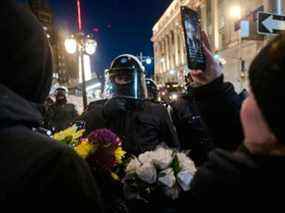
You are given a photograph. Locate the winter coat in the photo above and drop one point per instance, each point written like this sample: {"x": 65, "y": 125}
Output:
{"x": 60, "y": 116}
{"x": 238, "y": 180}
{"x": 191, "y": 131}
{"x": 34, "y": 167}
{"x": 219, "y": 107}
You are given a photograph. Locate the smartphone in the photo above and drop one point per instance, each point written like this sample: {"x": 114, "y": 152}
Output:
{"x": 192, "y": 33}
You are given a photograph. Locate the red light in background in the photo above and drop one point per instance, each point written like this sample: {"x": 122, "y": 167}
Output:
{"x": 79, "y": 19}
{"x": 96, "y": 30}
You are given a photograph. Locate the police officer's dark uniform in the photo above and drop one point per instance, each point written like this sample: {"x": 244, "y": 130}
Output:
{"x": 140, "y": 123}
{"x": 61, "y": 114}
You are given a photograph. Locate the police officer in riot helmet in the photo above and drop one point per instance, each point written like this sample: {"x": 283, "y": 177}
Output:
{"x": 152, "y": 90}
{"x": 60, "y": 114}
{"x": 141, "y": 124}
{"x": 126, "y": 78}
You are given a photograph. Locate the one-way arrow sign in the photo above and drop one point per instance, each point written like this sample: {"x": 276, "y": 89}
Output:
{"x": 270, "y": 24}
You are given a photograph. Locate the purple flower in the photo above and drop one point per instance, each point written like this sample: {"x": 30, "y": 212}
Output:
{"x": 106, "y": 143}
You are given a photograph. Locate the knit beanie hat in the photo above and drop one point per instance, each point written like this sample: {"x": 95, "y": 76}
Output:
{"x": 267, "y": 81}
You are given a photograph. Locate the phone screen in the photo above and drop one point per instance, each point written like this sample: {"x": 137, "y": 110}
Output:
{"x": 192, "y": 34}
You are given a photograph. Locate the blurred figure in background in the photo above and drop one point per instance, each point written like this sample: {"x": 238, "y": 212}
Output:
{"x": 60, "y": 114}
{"x": 152, "y": 90}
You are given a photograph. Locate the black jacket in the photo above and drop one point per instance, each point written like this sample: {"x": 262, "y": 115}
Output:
{"x": 34, "y": 167}
{"x": 219, "y": 106}
{"x": 142, "y": 126}
{"x": 238, "y": 180}
{"x": 191, "y": 131}
{"x": 60, "y": 116}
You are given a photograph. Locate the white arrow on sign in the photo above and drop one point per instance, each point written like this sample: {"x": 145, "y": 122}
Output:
{"x": 273, "y": 24}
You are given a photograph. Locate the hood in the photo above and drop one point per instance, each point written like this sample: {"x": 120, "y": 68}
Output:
{"x": 16, "y": 110}
{"x": 25, "y": 53}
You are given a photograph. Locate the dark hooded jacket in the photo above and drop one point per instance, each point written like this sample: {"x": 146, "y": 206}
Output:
{"x": 34, "y": 169}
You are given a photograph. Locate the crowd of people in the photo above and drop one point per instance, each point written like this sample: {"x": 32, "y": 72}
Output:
{"x": 235, "y": 140}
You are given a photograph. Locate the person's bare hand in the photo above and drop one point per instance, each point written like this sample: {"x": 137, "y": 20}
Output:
{"x": 213, "y": 67}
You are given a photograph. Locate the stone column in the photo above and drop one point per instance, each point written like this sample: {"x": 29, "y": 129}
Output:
{"x": 275, "y": 6}
{"x": 177, "y": 48}
{"x": 164, "y": 61}
{"x": 215, "y": 23}
{"x": 168, "y": 52}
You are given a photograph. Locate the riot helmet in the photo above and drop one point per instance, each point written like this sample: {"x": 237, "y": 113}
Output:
{"x": 152, "y": 89}
{"x": 125, "y": 78}
{"x": 61, "y": 94}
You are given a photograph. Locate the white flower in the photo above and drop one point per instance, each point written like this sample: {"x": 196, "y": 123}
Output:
{"x": 146, "y": 157}
{"x": 162, "y": 157}
{"x": 133, "y": 165}
{"x": 167, "y": 178}
{"x": 147, "y": 173}
{"x": 186, "y": 163}
{"x": 184, "y": 178}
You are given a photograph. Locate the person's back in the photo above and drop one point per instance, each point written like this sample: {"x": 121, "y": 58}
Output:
{"x": 238, "y": 180}
{"x": 34, "y": 168}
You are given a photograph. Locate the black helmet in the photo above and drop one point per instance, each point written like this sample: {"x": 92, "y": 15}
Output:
{"x": 126, "y": 78}
{"x": 152, "y": 89}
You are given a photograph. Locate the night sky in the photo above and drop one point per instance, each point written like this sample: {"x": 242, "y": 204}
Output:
{"x": 119, "y": 26}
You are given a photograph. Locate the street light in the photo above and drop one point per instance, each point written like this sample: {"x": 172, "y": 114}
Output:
{"x": 148, "y": 60}
{"x": 235, "y": 11}
{"x": 70, "y": 45}
{"x": 82, "y": 45}
{"x": 172, "y": 72}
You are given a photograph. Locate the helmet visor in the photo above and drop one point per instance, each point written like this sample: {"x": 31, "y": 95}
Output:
{"x": 125, "y": 83}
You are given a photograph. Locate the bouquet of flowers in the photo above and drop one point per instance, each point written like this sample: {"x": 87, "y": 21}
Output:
{"x": 101, "y": 148}
{"x": 163, "y": 169}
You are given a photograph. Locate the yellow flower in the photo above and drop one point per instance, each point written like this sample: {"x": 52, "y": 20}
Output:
{"x": 65, "y": 133}
{"x": 119, "y": 154}
{"x": 115, "y": 176}
{"x": 78, "y": 134}
{"x": 84, "y": 149}
{"x": 70, "y": 133}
